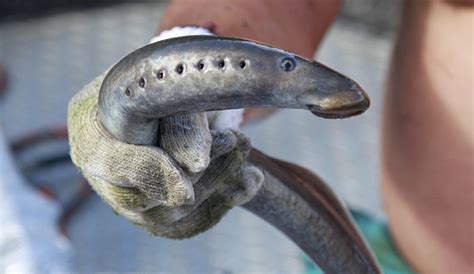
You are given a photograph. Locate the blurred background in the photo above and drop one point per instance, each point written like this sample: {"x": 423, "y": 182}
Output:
{"x": 50, "y": 49}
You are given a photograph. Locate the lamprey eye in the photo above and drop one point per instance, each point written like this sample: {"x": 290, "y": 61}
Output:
{"x": 288, "y": 64}
{"x": 242, "y": 64}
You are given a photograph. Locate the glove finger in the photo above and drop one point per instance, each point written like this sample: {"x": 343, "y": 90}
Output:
{"x": 215, "y": 177}
{"x": 149, "y": 169}
{"x": 187, "y": 139}
{"x": 212, "y": 209}
{"x": 126, "y": 198}
{"x": 222, "y": 143}
{"x": 241, "y": 185}
{"x": 206, "y": 215}
{"x": 245, "y": 185}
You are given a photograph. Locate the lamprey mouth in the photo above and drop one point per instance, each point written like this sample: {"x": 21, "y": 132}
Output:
{"x": 341, "y": 105}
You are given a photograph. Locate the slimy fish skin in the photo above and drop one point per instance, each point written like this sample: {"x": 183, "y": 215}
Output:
{"x": 202, "y": 73}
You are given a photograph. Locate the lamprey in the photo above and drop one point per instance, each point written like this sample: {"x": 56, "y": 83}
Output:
{"x": 202, "y": 73}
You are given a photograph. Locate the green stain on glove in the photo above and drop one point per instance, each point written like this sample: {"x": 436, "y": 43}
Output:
{"x": 377, "y": 235}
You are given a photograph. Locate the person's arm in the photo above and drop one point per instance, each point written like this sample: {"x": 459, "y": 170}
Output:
{"x": 298, "y": 26}
{"x": 428, "y": 142}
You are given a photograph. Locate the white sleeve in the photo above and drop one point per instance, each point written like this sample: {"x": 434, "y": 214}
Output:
{"x": 180, "y": 31}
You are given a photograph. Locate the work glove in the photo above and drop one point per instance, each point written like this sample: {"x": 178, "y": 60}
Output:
{"x": 176, "y": 190}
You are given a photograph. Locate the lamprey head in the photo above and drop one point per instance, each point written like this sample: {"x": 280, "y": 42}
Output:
{"x": 333, "y": 95}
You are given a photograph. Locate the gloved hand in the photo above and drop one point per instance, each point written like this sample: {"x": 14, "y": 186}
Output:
{"x": 176, "y": 190}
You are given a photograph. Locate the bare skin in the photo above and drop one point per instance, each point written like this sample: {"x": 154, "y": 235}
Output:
{"x": 427, "y": 145}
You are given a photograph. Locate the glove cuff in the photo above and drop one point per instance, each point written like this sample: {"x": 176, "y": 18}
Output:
{"x": 180, "y": 31}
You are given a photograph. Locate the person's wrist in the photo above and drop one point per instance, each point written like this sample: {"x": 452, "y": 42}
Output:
{"x": 298, "y": 27}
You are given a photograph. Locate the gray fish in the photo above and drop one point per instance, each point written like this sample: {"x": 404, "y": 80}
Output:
{"x": 202, "y": 73}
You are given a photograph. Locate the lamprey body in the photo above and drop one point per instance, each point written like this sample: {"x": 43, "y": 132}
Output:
{"x": 202, "y": 73}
